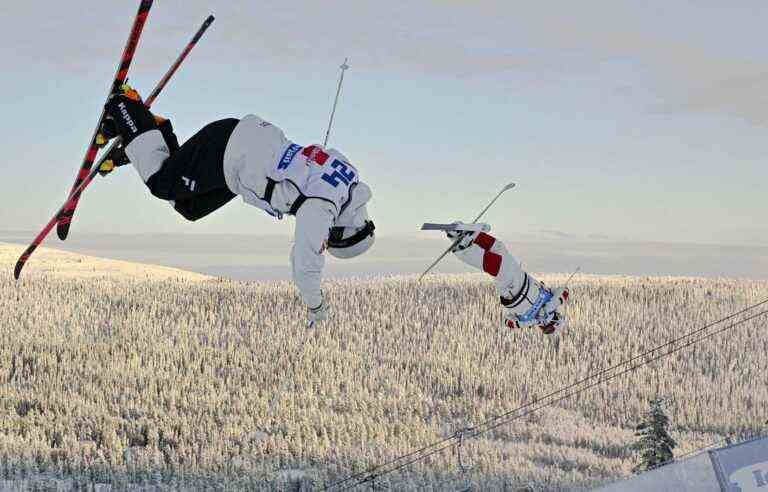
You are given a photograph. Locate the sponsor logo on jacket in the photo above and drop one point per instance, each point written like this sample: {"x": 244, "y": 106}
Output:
{"x": 288, "y": 155}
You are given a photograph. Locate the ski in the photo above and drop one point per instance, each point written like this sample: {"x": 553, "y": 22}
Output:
{"x": 95, "y": 169}
{"x": 507, "y": 187}
{"x": 65, "y": 218}
{"x": 459, "y": 226}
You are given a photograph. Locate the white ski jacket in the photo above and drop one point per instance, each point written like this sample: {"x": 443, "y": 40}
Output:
{"x": 280, "y": 177}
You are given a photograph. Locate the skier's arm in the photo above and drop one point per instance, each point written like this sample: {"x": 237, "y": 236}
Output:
{"x": 313, "y": 222}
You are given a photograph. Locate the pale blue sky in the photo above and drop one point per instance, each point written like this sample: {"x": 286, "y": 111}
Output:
{"x": 640, "y": 120}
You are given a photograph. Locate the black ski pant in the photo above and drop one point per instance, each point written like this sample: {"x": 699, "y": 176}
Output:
{"x": 193, "y": 176}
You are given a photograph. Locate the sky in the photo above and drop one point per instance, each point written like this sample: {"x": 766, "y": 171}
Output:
{"x": 637, "y": 121}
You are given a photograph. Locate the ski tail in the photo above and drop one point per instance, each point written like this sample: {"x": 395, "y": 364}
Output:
{"x": 430, "y": 226}
{"x": 65, "y": 218}
{"x": 54, "y": 220}
{"x": 88, "y": 179}
{"x": 456, "y": 226}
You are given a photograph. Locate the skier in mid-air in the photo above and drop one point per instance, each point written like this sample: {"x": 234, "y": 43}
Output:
{"x": 525, "y": 300}
{"x": 251, "y": 158}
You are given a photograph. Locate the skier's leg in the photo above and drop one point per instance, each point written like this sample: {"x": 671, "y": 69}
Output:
{"x": 191, "y": 176}
{"x": 491, "y": 256}
{"x": 526, "y": 301}
{"x": 199, "y": 206}
{"x": 197, "y": 167}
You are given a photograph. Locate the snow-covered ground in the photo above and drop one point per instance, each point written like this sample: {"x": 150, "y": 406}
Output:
{"x": 118, "y": 373}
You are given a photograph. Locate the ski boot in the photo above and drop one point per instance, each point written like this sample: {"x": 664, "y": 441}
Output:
{"x": 464, "y": 234}
{"x": 126, "y": 116}
{"x": 555, "y": 318}
{"x": 536, "y": 305}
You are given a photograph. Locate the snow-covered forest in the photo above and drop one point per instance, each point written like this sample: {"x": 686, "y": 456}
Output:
{"x": 118, "y": 373}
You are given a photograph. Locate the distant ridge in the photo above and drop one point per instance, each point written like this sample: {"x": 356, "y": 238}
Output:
{"x": 73, "y": 265}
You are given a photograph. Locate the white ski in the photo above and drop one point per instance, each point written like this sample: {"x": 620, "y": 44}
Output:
{"x": 462, "y": 227}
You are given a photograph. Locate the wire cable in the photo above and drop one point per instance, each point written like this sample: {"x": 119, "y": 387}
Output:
{"x": 531, "y": 407}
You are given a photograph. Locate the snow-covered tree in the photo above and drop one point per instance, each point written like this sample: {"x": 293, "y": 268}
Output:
{"x": 655, "y": 444}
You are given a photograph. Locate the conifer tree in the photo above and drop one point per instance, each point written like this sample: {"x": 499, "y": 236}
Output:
{"x": 655, "y": 444}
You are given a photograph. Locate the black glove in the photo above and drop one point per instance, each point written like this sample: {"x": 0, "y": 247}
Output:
{"x": 127, "y": 117}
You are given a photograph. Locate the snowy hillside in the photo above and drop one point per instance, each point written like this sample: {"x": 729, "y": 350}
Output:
{"x": 115, "y": 372}
{"x": 76, "y": 266}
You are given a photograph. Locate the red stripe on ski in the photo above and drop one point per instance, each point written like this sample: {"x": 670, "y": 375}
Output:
{"x": 485, "y": 241}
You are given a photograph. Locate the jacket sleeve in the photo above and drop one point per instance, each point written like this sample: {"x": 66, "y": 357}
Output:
{"x": 313, "y": 223}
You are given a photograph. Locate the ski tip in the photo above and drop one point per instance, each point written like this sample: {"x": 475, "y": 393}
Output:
{"x": 17, "y": 270}
{"x": 510, "y": 186}
{"x": 62, "y": 231}
{"x": 210, "y": 19}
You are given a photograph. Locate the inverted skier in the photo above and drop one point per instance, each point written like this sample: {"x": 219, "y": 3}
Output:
{"x": 526, "y": 301}
{"x": 251, "y": 158}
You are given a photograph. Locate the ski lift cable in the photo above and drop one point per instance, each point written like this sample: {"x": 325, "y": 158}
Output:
{"x": 500, "y": 420}
{"x": 531, "y": 407}
{"x": 495, "y": 422}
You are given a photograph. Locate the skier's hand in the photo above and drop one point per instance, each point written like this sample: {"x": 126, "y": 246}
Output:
{"x": 318, "y": 314}
{"x": 465, "y": 238}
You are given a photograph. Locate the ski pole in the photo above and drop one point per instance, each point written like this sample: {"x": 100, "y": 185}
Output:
{"x": 75, "y": 195}
{"x": 343, "y": 68}
{"x": 509, "y": 186}
{"x": 192, "y": 43}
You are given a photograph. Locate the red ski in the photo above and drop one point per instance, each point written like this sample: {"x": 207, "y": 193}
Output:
{"x": 65, "y": 217}
{"x": 92, "y": 172}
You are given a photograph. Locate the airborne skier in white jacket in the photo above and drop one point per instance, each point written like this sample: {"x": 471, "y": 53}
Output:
{"x": 251, "y": 158}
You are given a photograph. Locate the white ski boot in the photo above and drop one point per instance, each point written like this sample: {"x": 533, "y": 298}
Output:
{"x": 535, "y": 305}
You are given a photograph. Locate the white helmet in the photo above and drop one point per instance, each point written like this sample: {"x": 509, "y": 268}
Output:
{"x": 352, "y": 233}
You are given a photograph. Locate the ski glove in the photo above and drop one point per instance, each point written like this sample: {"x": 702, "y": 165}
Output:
{"x": 467, "y": 237}
{"x": 318, "y": 314}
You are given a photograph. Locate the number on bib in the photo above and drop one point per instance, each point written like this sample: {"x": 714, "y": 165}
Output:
{"x": 342, "y": 174}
